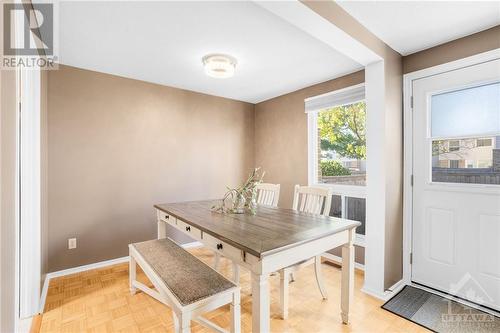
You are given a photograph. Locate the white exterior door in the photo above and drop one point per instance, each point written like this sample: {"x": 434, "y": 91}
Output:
{"x": 456, "y": 191}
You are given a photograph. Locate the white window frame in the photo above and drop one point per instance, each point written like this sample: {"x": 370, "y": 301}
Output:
{"x": 483, "y": 140}
{"x": 344, "y": 191}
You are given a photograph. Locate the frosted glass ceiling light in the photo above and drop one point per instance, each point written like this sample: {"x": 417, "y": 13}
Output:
{"x": 219, "y": 65}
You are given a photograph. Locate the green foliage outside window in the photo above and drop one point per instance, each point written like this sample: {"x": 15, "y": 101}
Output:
{"x": 342, "y": 129}
{"x": 333, "y": 168}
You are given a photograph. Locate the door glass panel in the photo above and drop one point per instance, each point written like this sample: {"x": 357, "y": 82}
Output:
{"x": 467, "y": 160}
{"x": 466, "y": 112}
{"x": 465, "y": 130}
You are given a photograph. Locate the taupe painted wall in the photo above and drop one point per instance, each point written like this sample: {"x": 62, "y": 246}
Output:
{"x": 393, "y": 138}
{"x": 117, "y": 146}
{"x": 8, "y": 115}
{"x": 281, "y": 138}
{"x": 393, "y": 170}
{"x": 280, "y": 147}
{"x": 281, "y": 135}
{"x": 480, "y": 42}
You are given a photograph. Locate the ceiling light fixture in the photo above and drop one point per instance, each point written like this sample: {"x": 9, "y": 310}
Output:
{"x": 219, "y": 66}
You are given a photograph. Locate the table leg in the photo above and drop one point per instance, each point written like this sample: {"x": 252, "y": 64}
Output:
{"x": 216, "y": 261}
{"x": 284, "y": 282}
{"x": 236, "y": 273}
{"x": 162, "y": 229}
{"x": 260, "y": 303}
{"x": 347, "y": 277}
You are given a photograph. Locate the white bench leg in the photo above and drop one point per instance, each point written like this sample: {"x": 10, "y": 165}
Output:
{"x": 176, "y": 322}
{"x": 216, "y": 261}
{"x": 235, "y": 310}
{"x": 236, "y": 273}
{"x": 185, "y": 323}
{"x": 284, "y": 283}
{"x": 132, "y": 274}
{"x": 319, "y": 277}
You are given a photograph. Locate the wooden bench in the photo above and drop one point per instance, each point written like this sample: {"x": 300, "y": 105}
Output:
{"x": 184, "y": 283}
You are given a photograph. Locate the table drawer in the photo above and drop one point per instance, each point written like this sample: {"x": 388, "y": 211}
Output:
{"x": 189, "y": 230}
{"x": 221, "y": 247}
{"x": 167, "y": 218}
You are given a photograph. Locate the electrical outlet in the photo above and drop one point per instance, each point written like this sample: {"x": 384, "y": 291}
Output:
{"x": 72, "y": 243}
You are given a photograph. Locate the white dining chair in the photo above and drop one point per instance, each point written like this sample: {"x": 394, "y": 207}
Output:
{"x": 314, "y": 200}
{"x": 268, "y": 194}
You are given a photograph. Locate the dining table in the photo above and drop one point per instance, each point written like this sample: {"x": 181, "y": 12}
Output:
{"x": 263, "y": 243}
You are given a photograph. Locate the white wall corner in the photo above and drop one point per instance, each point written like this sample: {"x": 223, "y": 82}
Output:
{"x": 376, "y": 179}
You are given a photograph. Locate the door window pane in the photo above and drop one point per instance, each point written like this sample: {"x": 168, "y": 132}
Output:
{"x": 465, "y": 130}
{"x": 467, "y": 160}
{"x": 466, "y": 112}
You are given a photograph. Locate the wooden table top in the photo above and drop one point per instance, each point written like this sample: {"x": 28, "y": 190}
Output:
{"x": 269, "y": 231}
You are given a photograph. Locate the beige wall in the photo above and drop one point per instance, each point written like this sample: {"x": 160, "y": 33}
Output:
{"x": 389, "y": 144}
{"x": 281, "y": 135}
{"x": 8, "y": 115}
{"x": 393, "y": 170}
{"x": 281, "y": 138}
{"x": 118, "y": 146}
{"x": 480, "y": 42}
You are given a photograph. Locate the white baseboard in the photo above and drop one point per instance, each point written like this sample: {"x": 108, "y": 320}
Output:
{"x": 74, "y": 270}
{"x": 45, "y": 289}
{"x": 387, "y": 294}
{"x": 338, "y": 260}
{"x": 88, "y": 267}
{"x": 24, "y": 325}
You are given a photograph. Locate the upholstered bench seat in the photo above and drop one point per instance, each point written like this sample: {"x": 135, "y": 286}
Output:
{"x": 187, "y": 277}
{"x": 184, "y": 283}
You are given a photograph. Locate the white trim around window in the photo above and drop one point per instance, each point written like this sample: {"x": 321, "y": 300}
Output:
{"x": 343, "y": 191}
{"x": 335, "y": 98}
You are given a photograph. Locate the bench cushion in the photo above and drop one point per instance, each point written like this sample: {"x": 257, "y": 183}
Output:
{"x": 187, "y": 277}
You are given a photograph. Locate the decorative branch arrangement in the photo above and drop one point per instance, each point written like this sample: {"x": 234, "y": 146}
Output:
{"x": 244, "y": 198}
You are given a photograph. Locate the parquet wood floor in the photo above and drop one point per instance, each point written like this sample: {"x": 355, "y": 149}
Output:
{"x": 99, "y": 301}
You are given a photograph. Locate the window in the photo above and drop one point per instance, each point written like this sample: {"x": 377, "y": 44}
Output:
{"x": 465, "y": 130}
{"x": 339, "y": 141}
{"x": 337, "y": 151}
{"x": 454, "y": 145}
{"x": 483, "y": 142}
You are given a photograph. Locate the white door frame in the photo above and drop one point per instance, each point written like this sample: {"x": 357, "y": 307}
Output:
{"x": 408, "y": 143}
{"x": 29, "y": 245}
{"x": 28, "y": 191}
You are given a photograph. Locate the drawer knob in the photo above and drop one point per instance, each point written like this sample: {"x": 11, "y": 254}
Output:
{"x": 188, "y": 228}
{"x": 219, "y": 246}
{"x": 167, "y": 217}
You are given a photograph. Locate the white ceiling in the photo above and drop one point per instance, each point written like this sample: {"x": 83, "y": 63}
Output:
{"x": 411, "y": 26}
{"x": 163, "y": 42}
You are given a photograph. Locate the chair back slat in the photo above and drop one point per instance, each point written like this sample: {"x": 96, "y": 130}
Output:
{"x": 268, "y": 194}
{"x": 311, "y": 199}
